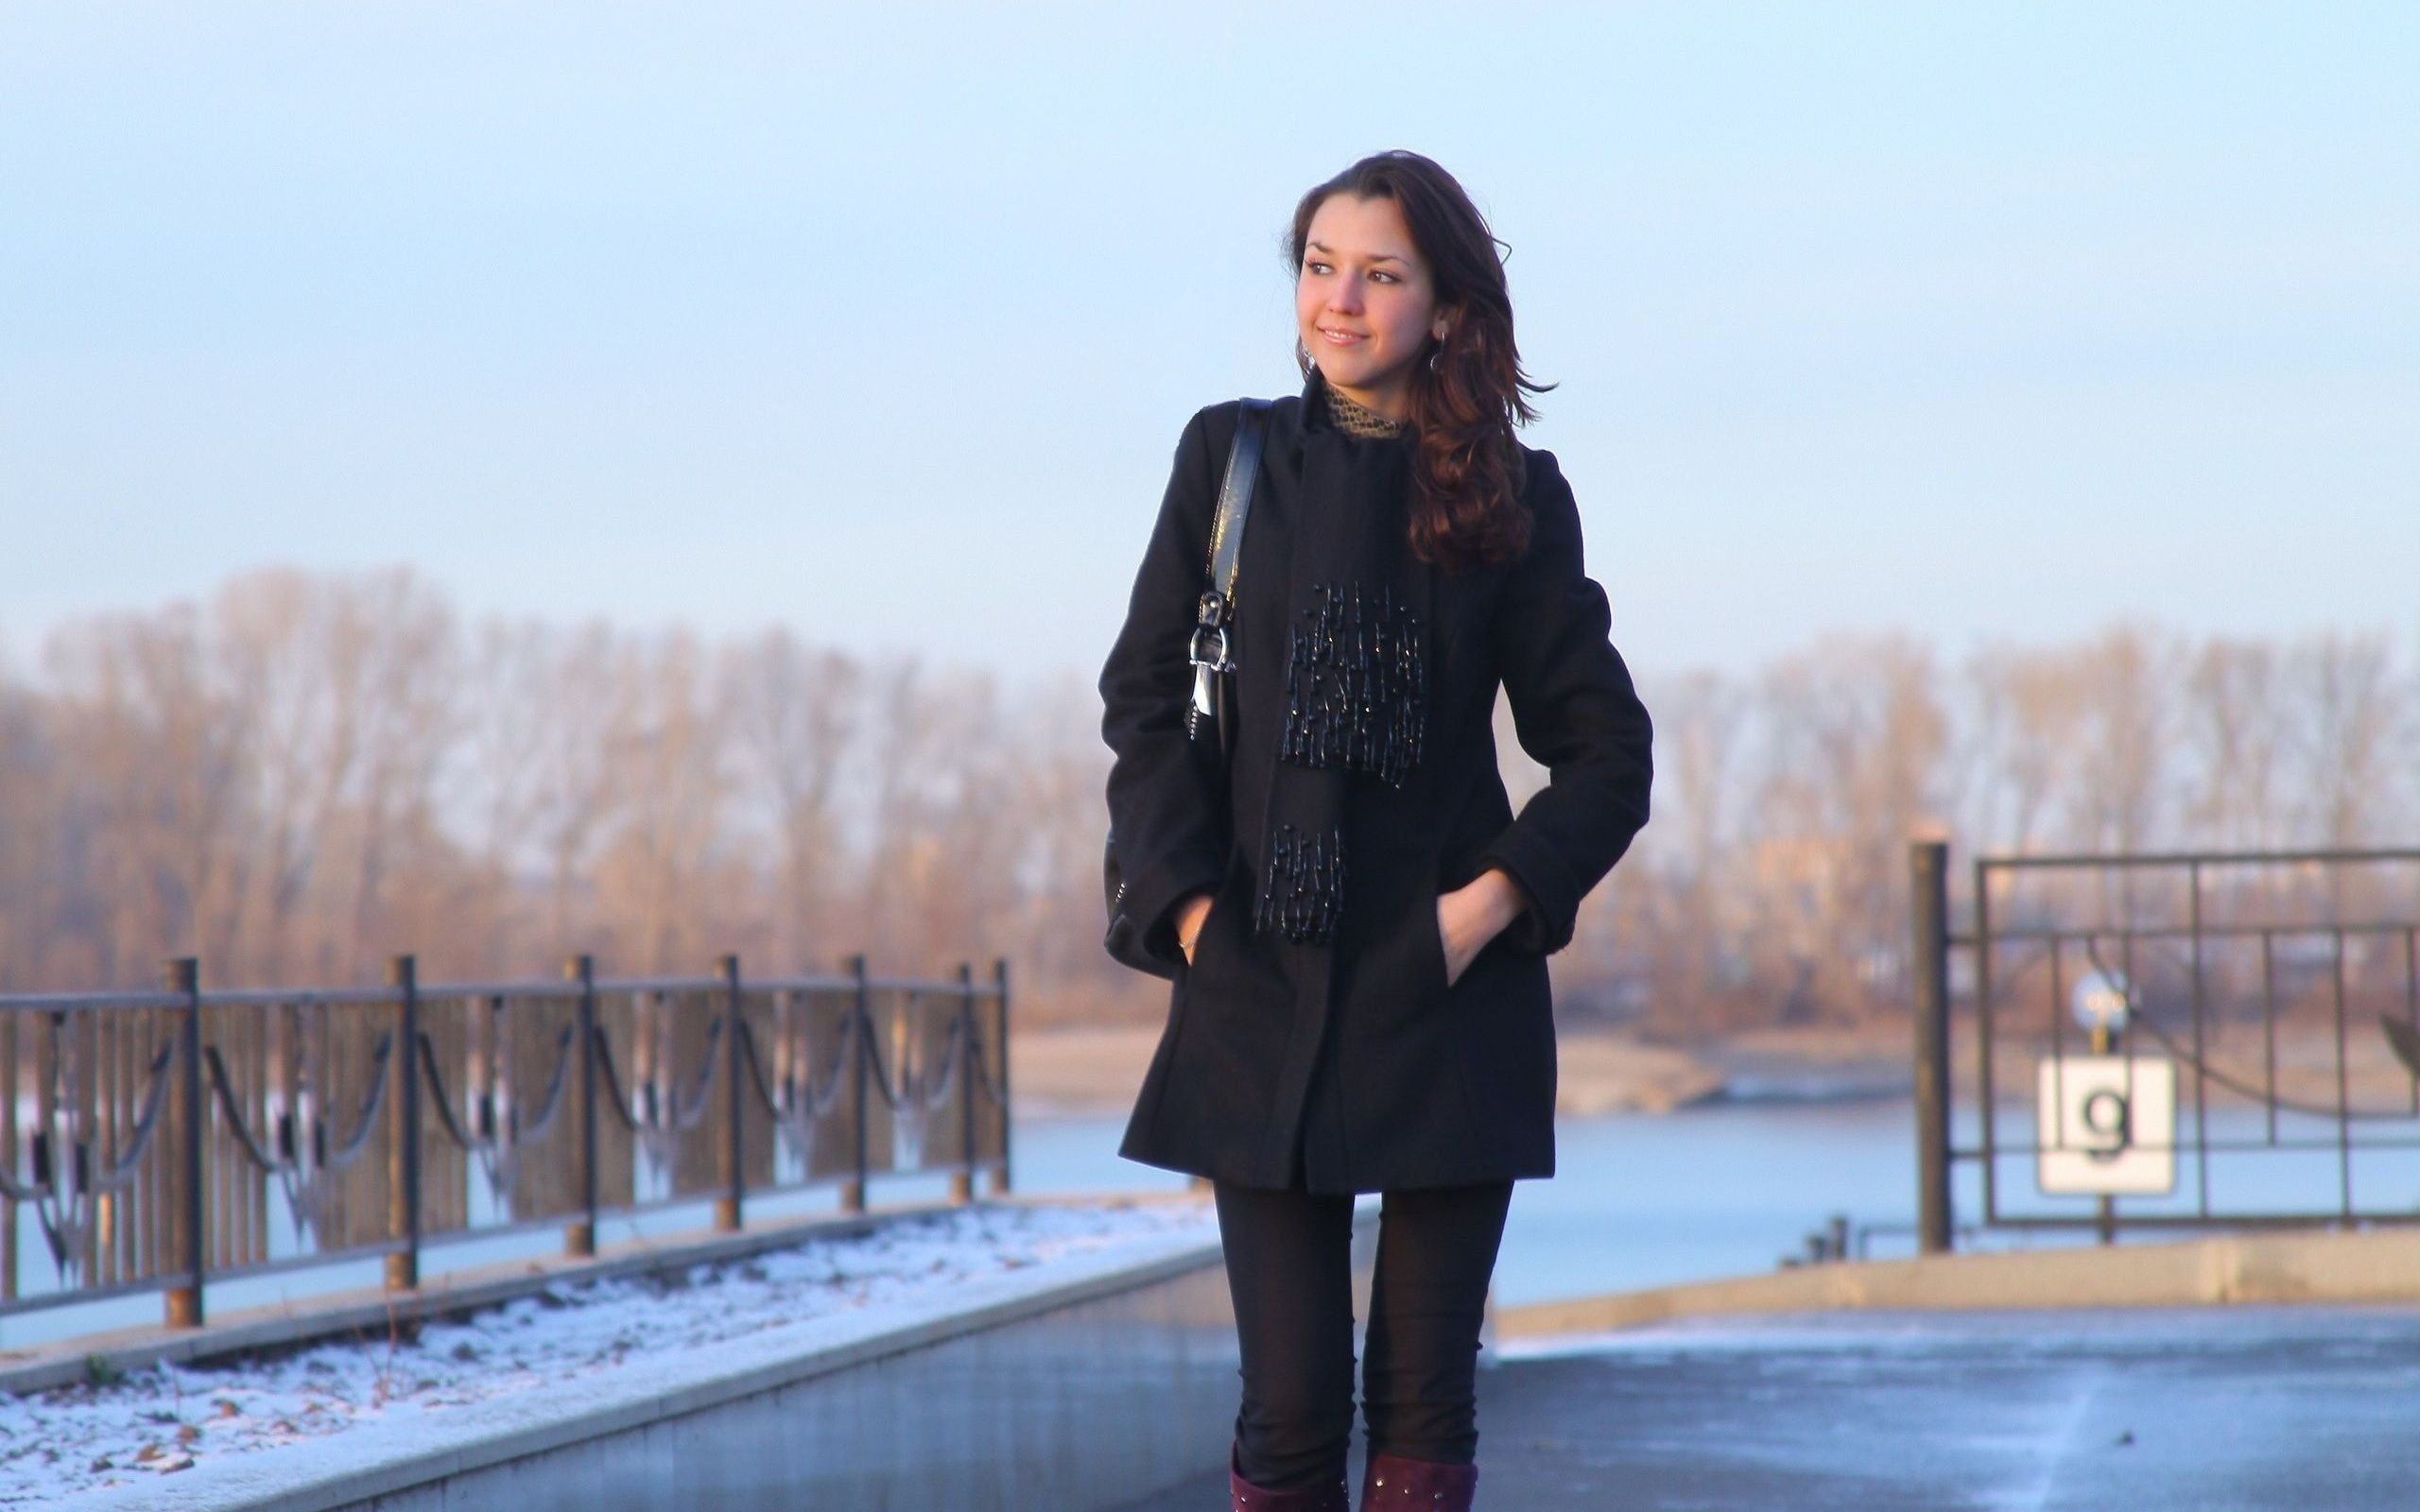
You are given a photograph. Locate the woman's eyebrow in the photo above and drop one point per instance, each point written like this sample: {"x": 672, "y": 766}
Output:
{"x": 1374, "y": 257}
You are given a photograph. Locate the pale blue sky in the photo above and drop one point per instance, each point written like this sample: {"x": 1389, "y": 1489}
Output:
{"x": 881, "y": 321}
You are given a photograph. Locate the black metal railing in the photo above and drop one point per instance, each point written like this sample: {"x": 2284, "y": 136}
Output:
{"x": 2244, "y": 1027}
{"x": 158, "y": 1141}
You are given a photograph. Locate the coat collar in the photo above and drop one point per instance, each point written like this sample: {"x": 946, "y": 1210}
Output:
{"x": 1315, "y": 415}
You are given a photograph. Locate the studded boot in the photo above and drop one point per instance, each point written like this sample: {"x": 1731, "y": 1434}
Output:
{"x": 1389, "y": 1482}
{"x": 1243, "y": 1496}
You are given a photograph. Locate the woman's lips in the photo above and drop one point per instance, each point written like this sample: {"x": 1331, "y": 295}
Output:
{"x": 1341, "y": 338}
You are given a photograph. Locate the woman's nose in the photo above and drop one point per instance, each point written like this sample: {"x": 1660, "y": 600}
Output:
{"x": 1345, "y": 295}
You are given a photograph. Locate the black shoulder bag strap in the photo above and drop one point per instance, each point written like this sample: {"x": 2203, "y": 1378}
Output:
{"x": 1211, "y": 664}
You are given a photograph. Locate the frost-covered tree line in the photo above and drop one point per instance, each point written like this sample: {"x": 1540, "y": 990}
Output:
{"x": 306, "y": 773}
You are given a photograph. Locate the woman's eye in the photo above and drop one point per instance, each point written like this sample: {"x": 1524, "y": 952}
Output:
{"x": 1315, "y": 267}
{"x": 1384, "y": 277}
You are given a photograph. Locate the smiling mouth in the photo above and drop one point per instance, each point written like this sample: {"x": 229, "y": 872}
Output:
{"x": 1341, "y": 337}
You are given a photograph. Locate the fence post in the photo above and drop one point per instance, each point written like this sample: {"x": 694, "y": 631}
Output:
{"x": 183, "y": 1303}
{"x": 853, "y": 1193}
{"x": 727, "y": 1208}
{"x": 402, "y": 1153}
{"x": 1928, "y": 878}
{"x": 962, "y": 1183}
{"x": 1000, "y": 981}
{"x": 580, "y": 1236}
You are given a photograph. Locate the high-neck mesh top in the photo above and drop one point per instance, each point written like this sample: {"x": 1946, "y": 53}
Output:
{"x": 1357, "y": 418}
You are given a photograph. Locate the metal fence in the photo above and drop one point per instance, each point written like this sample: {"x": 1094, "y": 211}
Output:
{"x": 159, "y": 1140}
{"x": 2178, "y": 1040}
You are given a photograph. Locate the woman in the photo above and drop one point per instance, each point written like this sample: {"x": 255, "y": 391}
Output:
{"x": 1355, "y": 923}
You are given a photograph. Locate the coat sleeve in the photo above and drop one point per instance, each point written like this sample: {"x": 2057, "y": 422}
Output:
{"x": 1166, "y": 798}
{"x": 1576, "y": 714}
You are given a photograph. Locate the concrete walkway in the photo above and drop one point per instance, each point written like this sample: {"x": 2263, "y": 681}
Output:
{"x": 2143, "y": 1410}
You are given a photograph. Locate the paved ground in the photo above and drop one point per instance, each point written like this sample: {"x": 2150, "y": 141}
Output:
{"x": 2194, "y": 1410}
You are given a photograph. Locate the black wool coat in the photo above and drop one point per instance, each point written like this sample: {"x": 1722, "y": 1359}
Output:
{"x": 1359, "y": 1067}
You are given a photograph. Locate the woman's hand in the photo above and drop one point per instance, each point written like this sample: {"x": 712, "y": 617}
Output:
{"x": 1189, "y": 915}
{"x": 1473, "y": 914}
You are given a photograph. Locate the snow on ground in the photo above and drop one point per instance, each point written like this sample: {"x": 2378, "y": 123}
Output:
{"x": 167, "y": 1419}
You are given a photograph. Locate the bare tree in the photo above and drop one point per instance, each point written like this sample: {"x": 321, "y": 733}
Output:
{"x": 2353, "y": 711}
{"x": 2030, "y": 715}
{"x": 158, "y": 796}
{"x": 798, "y": 714}
{"x": 658, "y": 875}
{"x": 2235, "y": 733}
{"x": 574, "y": 759}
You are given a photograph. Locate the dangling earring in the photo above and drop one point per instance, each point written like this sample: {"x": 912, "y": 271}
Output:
{"x": 1302, "y": 357}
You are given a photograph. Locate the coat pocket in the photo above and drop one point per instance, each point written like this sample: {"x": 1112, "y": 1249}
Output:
{"x": 1213, "y": 921}
{"x": 1185, "y": 964}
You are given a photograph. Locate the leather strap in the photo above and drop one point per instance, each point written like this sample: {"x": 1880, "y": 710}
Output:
{"x": 1208, "y": 654}
{"x": 1235, "y": 497}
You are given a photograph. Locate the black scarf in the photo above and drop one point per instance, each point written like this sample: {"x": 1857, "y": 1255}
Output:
{"x": 1357, "y": 668}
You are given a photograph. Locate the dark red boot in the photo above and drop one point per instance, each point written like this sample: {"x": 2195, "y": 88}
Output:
{"x": 1391, "y": 1481}
{"x": 1247, "y": 1496}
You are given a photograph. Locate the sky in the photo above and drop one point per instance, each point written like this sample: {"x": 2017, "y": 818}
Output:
{"x": 1974, "y": 321}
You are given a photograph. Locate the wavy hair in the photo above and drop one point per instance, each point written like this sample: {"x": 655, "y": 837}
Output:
{"x": 1469, "y": 390}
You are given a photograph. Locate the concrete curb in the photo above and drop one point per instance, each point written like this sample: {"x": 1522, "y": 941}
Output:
{"x": 2376, "y": 1266}
{"x": 374, "y": 1311}
{"x": 355, "y": 1466}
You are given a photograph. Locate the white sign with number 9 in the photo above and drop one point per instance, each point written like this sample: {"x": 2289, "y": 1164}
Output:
{"x": 2106, "y": 1125}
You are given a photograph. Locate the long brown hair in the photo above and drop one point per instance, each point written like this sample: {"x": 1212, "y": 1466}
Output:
{"x": 1468, "y": 393}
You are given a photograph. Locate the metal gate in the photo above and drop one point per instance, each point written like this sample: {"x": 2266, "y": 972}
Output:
{"x": 2176, "y": 1041}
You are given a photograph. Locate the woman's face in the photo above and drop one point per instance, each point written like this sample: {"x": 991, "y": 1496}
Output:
{"x": 1363, "y": 303}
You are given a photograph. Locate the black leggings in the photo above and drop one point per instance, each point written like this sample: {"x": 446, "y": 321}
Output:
{"x": 1289, "y": 1268}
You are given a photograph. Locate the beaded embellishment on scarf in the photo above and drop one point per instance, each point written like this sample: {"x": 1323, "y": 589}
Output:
{"x": 1303, "y": 889}
{"x": 1355, "y": 686}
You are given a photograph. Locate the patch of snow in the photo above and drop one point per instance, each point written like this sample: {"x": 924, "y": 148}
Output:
{"x": 169, "y": 1418}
